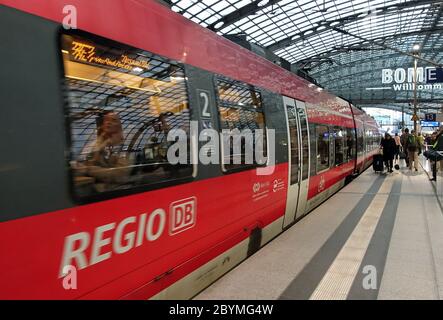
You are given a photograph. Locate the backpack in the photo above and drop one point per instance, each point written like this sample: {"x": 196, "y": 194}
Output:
{"x": 412, "y": 143}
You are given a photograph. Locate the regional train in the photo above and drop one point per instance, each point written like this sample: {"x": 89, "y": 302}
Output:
{"x": 90, "y": 206}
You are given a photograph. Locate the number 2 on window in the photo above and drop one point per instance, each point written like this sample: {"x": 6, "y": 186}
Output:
{"x": 205, "y": 111}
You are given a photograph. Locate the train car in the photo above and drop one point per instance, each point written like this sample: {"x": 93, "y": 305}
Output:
{"x": 90, "y": 206}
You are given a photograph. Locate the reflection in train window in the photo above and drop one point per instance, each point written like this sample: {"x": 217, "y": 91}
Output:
{"x": 339, "y": 136}
{"x": 122, "y": 102}
{"x": 350, "y": 144}
{"x": 313, "y": 142}
{"x": 360, "y": 142}
{"x": 322, "y": 134}
{"x": 240, "y": 107}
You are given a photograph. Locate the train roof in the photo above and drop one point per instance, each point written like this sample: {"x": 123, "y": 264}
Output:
{"x": 187, "y": 42}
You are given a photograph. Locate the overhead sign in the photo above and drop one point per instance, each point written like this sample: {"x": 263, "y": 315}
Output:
{"x": 434, "y": 75}
{"x": 430, "y": 124}
{"x": 401, "y": 79}
{"x": 430, "y": 117}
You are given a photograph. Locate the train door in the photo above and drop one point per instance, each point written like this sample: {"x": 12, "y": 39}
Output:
{"x": 298, "y": 155}
{"x": 305, "y": 161}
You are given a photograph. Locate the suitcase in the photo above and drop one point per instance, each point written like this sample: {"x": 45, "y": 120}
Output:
{"x": 377, "y": 163}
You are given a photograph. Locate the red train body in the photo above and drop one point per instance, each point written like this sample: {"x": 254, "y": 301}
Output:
{"x": 129, "y": 246}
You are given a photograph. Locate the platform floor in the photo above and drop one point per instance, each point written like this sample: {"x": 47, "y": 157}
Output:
{"x": 380, "y": 237}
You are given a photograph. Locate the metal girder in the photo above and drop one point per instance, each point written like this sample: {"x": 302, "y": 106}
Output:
{"x": 439, "y": 11}
{"x": 405, "y": 101}
{"x": 338, "y": 50}
{"x": 328, "y": 25}
{"x": 375, "y": 42}
{"x": 357, "y": 73}
{"x": 407, "y": 110}
{"x": 367, "y": 59}
{"x": 239, "y": 14}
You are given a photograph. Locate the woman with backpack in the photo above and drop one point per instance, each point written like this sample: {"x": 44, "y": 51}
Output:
{"x": 412, "y": 146}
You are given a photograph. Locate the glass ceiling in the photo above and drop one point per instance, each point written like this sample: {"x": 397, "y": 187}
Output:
{"x": 345, "y": 40}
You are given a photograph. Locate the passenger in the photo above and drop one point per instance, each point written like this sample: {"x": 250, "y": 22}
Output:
{"x": 322, "y": 148}
{"x": 105, "y": 162}
{"x": 389, "y": 150}
{"x": 428, "y": 139}
{"x": 349, "y": 145}
{"x": 413, "y": 148}
{"x": 403, "y": 140}
{"x": 397, "y": 147}
{"x": 421, "y": 140}
{"x": 165, "y": 126}
{"x": 437, "y": 146}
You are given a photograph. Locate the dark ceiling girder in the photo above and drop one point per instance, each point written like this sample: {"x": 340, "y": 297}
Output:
{"x": 367, "y": 60}
{"x": 407, "y": 110}
{"x": 353, "y": 75}
{"x": 239, "y": 14}
{"x": 439, "y": 11}
{"x": 327, "y": 25}
{"x": 405, "y": 101}
{"x": 388, "y": 47}
{"x": 338, "y": 50}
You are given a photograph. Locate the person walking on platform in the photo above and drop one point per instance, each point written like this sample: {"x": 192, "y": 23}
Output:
{"x": 437, "y": 146}
{"x": 389, "y": 150}
{"x": 421, "y": 140}
{"x": 413, "y": 148}
{"x": 397, "y": 147}
{"x": 403, "y": 140}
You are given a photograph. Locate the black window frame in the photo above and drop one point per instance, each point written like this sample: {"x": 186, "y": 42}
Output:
{"x": 112, "y": 194}
{"x": 329, "y": 161}
{"x": 219, "y": 102}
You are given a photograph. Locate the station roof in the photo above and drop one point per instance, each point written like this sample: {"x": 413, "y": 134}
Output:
{"x": 342, "y": 44}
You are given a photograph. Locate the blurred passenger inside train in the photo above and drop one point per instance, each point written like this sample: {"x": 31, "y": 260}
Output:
{"x": 349, "y": 144}
{"x": 322, "y": 148}
{"x": 389, "y": 149}
{"x": 106, "y": 162}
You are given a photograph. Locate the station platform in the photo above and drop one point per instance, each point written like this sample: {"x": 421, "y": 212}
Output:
{"x": 380, "y": 237}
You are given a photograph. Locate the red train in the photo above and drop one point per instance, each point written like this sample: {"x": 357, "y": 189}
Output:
{"x": 84, "y": 179}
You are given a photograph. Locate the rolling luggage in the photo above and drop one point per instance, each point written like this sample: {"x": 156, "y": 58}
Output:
{"x": 377, "y": 163}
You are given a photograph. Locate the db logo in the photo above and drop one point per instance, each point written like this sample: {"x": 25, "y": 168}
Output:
{"x": 182, "y": 215}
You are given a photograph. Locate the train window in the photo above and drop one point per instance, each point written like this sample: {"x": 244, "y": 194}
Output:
{"x": 305, "y": 142}
{"x": 360, "y": 142}
{"x": 293, "y": 132}
{"x": 322, "y": 134}
{"x": 339, "y": 136}
{"x": 313, "y": 143}
{"x": 122, "y": 103}
{"x": 240, "y": 107}
{"x": 350, "y": 143}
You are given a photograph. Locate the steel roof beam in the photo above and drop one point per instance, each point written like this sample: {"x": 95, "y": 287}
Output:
{"x": 337, "y": 50}
{"x": 439, "y": 10}
{"x": 368, "y": 59}
{"x": 406, "y": 101}
{"x": 375, "y": 42}
{"x": 327, "y": 25}
{"x": 239, "y": 14}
